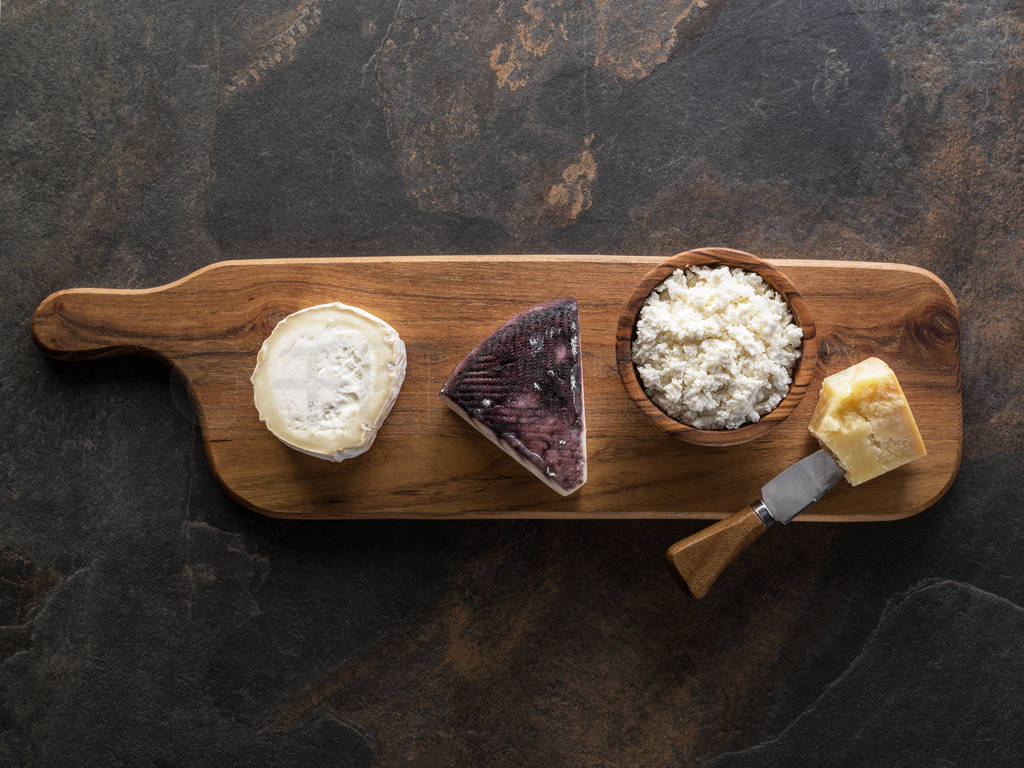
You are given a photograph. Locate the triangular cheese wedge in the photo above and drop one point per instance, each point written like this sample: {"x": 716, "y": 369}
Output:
{"x": 522, "y": 387}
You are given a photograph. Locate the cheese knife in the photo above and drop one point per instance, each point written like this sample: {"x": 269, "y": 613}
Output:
{"x": 697, "y": 560}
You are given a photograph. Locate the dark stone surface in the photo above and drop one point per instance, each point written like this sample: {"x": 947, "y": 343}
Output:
{"x": 147, "y": 620}
{"x": 967, "y": 661}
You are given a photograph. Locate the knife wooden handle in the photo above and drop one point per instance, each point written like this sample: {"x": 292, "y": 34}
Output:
{"x": 697, "y": 560}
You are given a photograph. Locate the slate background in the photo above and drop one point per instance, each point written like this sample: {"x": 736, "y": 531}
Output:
{"x": 145, "y": 619}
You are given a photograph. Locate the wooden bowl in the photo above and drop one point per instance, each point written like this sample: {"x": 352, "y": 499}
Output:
{"x": 803, "y": 371}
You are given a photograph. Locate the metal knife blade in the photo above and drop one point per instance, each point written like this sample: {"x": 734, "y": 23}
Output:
{"x": 795, "y": 489}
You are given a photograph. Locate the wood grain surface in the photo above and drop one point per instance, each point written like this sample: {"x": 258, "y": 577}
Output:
{"x": 427, "y": 463}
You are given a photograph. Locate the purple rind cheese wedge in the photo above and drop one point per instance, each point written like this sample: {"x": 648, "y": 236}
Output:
{"x": 522, "y": 387}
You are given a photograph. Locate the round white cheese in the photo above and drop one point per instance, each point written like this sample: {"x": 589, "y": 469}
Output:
{"x": 326, "y": 378}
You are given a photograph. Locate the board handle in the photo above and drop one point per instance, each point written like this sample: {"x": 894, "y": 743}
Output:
{"x": 88, "y": 323}
{"x": 697, "y": 560}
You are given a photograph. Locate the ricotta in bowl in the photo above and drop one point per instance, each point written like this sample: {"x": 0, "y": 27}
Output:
{"x": 715, "y": 347}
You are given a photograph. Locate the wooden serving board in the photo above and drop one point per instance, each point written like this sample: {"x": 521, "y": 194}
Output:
{"x": 428, "y": 463}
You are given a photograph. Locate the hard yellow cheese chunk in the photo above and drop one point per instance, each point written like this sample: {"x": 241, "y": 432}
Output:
{"x": 863, "y": 419}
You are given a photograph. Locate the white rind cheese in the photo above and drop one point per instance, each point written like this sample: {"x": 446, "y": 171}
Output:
{"x": 715, "y": 347}
{"x": 326, "y": 378}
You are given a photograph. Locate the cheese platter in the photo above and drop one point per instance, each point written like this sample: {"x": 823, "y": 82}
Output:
{"x": 426, "y": 462}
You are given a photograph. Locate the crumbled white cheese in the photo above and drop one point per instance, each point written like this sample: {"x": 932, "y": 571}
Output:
{"x": 715, "y": 347}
